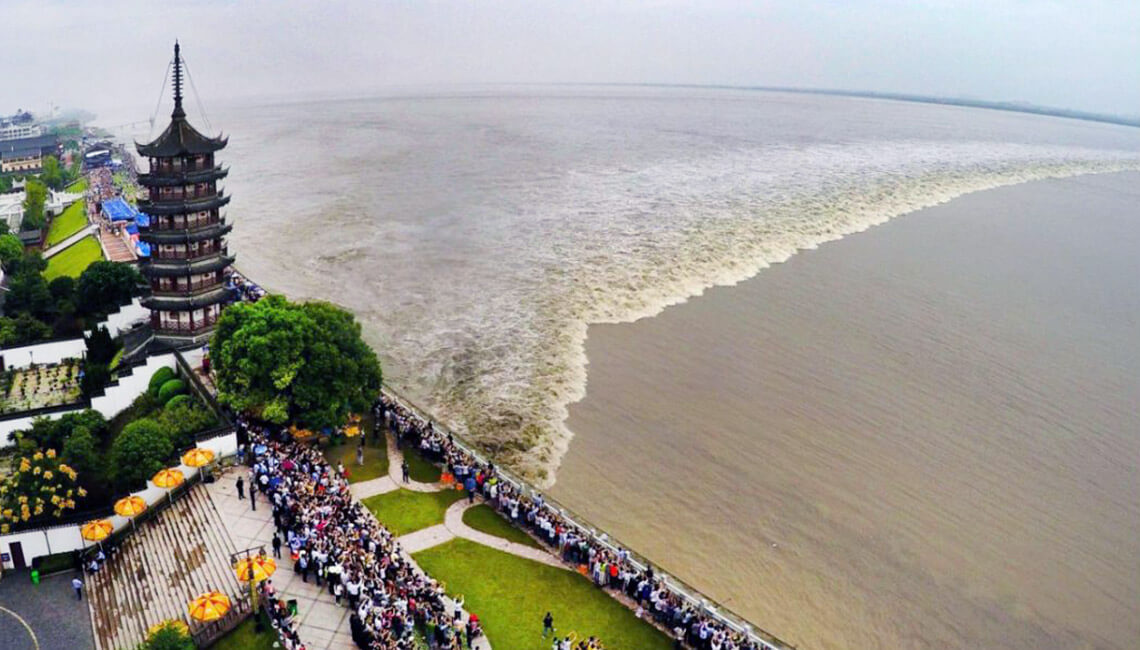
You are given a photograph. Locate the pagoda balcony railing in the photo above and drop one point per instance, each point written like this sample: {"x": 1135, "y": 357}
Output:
{"x": 187, "y": 288}
{"x": 192, "y": 327}
{"x": 179, "y": 165}
{"x": 179, "y": 194}
{"x": 158, "y": 223}
{"x": 158, "y": 254}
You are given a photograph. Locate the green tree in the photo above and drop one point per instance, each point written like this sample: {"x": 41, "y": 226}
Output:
{"x": 142, "y": 449}
{"x": 28, "y": 292}
{"x": 294, "y": 362}
{"x": 168, "y": 638}
{"x": 35, "y": 196}
{"x": 183, "y": 419}
{"x": 53, "y": 173}
{"x": 5, "y": 184}
{"x": 62, "y": 288}
{"x": 103, "y": 286}
{"x": 81, "y": 451}
{"x": 101, "y": 348}
{"x": 22, "y": 329}
{"x": 11, "y": 250}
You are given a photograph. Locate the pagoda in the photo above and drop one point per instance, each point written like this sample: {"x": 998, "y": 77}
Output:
{"x": 186, "y": 230}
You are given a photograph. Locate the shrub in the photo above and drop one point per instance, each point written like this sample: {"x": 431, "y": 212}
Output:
{"x": 160, "y": 377}
{"x": 95, "y": 377}
{"x": 177, "y": 401}
{"x": 170, "y": 389}
{"x": 138, "y": 452}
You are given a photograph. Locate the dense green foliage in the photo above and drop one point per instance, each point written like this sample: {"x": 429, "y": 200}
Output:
{"x": 143, "y": 448}
{"x": 27, "y": 288}
{"x": 168, "y": 638}
{"x": 53, "y": 434}
{"x": 103, "y": 286}
{"x": 53, "y": 174}
{"x": 286, "y": 362}
{"x": 35, "y": 197}
{"x": 11, "y": 250}
{"x": 22, "y": 329}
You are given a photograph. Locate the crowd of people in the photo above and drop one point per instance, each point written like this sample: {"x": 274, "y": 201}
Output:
{"x": 609, "y": 568}
{"x": 247, "y": 290}
{"x": 333, "y": 540}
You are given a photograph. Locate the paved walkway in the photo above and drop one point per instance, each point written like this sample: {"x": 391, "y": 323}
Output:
{"x": 453, "y": 522}
{"x": 395, "y": 470}
{"x": 44, "y": 616}
{"x": 63, "y": 245}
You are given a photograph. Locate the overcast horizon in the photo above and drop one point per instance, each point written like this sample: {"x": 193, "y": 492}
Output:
{"x": 1069, "y": 55}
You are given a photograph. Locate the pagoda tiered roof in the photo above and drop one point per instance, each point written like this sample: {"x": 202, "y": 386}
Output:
{"x": 175, "y": 268}
{"x": 183, "y": 236}
{"x": 183, "y": 206}
{"x": 185, "y": 301}
{"x": 182, "y": 178}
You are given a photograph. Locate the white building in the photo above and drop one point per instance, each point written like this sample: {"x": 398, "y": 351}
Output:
{"x": 17, "y": 131}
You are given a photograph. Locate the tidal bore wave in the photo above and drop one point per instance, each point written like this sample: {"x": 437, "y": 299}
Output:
{"x": 727, "y": 219}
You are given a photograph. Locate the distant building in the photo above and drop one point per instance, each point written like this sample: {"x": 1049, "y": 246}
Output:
{"x": 17, "y": 131}
{"x": 27, "y": 154}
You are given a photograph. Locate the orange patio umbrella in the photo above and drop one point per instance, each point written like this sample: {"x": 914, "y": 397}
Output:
{"x": 96, "y": 531}
{"x": 256, "y": 568}
{"x": 209, "y": 606}
{"x": 168, "y": 478}
{"x": 197, "y": 457}
{"x": 130, "y": 506}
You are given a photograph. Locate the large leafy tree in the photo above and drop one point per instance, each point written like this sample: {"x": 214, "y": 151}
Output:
{"x": 142, "y": 449}
{"x": 35, "y": 196}
{"x": 53, "y": 173}
{"x": 103, "y": 286}
{"x": 290, "y": 362}
{"x": 11, "y": 250}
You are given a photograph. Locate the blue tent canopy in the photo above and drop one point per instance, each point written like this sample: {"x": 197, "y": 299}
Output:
{"x": 143, "y": 219}
{"x": 119, "y": 210}
{"x": 142, "y": 248}
{"x": 132, "y": 228}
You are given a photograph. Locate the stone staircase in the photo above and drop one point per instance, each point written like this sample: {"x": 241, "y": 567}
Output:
{"x": 168, "y": 561}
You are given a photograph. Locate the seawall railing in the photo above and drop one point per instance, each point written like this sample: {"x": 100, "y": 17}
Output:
{"x": 679, "y": 587}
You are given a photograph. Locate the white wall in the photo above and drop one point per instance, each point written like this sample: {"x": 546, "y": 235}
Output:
{"x": 117, "y": 398}
{"x": 43, "y": 353}
{"x": 125, "y": 317}
{"x": 63, "y": 539}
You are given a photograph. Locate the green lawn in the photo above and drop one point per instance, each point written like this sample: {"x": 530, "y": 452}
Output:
{"x": 511, "y": 595}
{"x": 419, "y": 469}
{"x": 71, "y": 221}
{"x": 244, "y": 638}
{"x": 78, "y": 187}
{"x": 484, "y": 518}
{"x": 404, "y": 511}
{"x": 375, "y": 460}
{"x": 75, "y": 259}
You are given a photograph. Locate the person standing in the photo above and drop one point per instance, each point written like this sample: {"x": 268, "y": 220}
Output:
{"x": 547, "y": 624}
{"x": 470, "y": 485}
{"x": 404, "y": 468}
{"x": 277, "y": 545}
{"x": 240, "y": 488}
{"x": 77, "y": 585}
{"x": 360, "y": 452}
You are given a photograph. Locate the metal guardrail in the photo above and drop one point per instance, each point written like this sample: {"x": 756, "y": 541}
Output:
{"x": 679, "y": 587}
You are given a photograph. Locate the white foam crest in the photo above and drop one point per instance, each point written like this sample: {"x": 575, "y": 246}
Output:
{"x": 632, "y": 242}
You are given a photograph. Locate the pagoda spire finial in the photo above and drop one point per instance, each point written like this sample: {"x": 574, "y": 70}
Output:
{"x": 178, "y": 112}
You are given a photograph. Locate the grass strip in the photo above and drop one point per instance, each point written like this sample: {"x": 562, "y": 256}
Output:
{"x": 511, "y": 595}
{"x": 405, "y": 511}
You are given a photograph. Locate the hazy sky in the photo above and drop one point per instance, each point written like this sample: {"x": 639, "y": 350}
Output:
{"x": 1081, "y": 54}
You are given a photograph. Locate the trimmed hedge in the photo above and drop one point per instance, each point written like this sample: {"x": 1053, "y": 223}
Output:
{"x": 170, "y": 389}
{"x": 160, "y": 377}
{"x": 179, "y": 399}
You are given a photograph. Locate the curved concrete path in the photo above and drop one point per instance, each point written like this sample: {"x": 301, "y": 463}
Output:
{"x": 453, "y": 522}
{"x": 395, "y": 461}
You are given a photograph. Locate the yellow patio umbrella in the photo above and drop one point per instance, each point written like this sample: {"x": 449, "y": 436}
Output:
{"x": 96, "y": 531}
{"x": 209, "y": 606}
{"x": 130, "y": 506}
{"x": 168, "y": 478}
{"x": 173, "y": 623}
{"x": 197, "y": 457}
{"x": 256, "y": 568}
